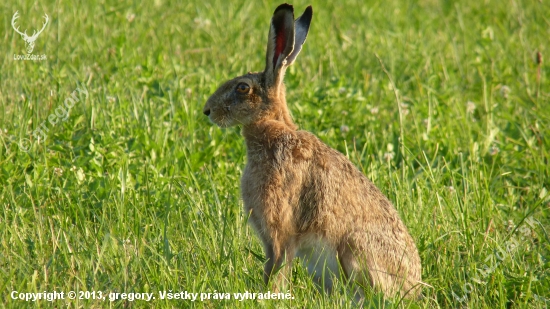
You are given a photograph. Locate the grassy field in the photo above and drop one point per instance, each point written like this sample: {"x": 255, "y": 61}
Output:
{"x": 132, "y": 190}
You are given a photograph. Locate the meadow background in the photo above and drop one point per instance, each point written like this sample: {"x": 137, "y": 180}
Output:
{"x": 137, "y": 192}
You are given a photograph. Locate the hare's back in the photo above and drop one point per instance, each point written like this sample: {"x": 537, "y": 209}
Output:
{"x": 336, "y": 185}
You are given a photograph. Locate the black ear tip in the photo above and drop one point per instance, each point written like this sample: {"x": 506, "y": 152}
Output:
{"x": 308, "y": 13}
{"x": 285, "y": 7}
{"x": 305, "y": 19}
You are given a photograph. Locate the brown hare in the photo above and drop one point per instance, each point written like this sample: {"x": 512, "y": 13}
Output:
{"x": 304, "y": 198}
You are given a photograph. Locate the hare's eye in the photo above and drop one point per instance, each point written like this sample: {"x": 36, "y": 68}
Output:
{"x": 243, "y": 88}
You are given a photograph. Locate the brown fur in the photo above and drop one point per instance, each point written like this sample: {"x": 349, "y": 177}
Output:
{"x": 303, "y": 196}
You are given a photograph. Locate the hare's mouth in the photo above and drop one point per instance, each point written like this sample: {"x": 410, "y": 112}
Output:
{"x": 221, "y": 121}
{"x": 222, "y": 124}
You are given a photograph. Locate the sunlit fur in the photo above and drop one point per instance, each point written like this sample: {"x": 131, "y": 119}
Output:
{"x": 304, "y": 197}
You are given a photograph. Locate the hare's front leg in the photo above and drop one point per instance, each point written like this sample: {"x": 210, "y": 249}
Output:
{"x": 278, "y": 268}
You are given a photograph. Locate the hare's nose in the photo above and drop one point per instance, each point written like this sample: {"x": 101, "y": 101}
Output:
{"x": 206, "y": 112}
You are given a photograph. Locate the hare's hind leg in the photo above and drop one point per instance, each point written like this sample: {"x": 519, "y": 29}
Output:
{"x": 354, "y": 269}
{"x": 364, "y": 261}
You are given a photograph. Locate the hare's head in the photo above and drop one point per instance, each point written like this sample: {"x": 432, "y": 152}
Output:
{"x": 257, "y": 97}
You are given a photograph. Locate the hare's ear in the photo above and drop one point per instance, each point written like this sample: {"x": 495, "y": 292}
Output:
{"x": 285, "y": 41}
{"x": 280, "y": 43}
{"x": 301, "y": 29}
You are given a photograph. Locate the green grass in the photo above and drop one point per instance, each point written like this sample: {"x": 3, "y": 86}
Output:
{"x": 137, "y": 192}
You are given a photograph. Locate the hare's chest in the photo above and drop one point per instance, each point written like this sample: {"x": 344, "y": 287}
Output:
{"x": 253, "y": 183}
{"x": 253, "y": 192}
{"x": 268, "y": 197}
